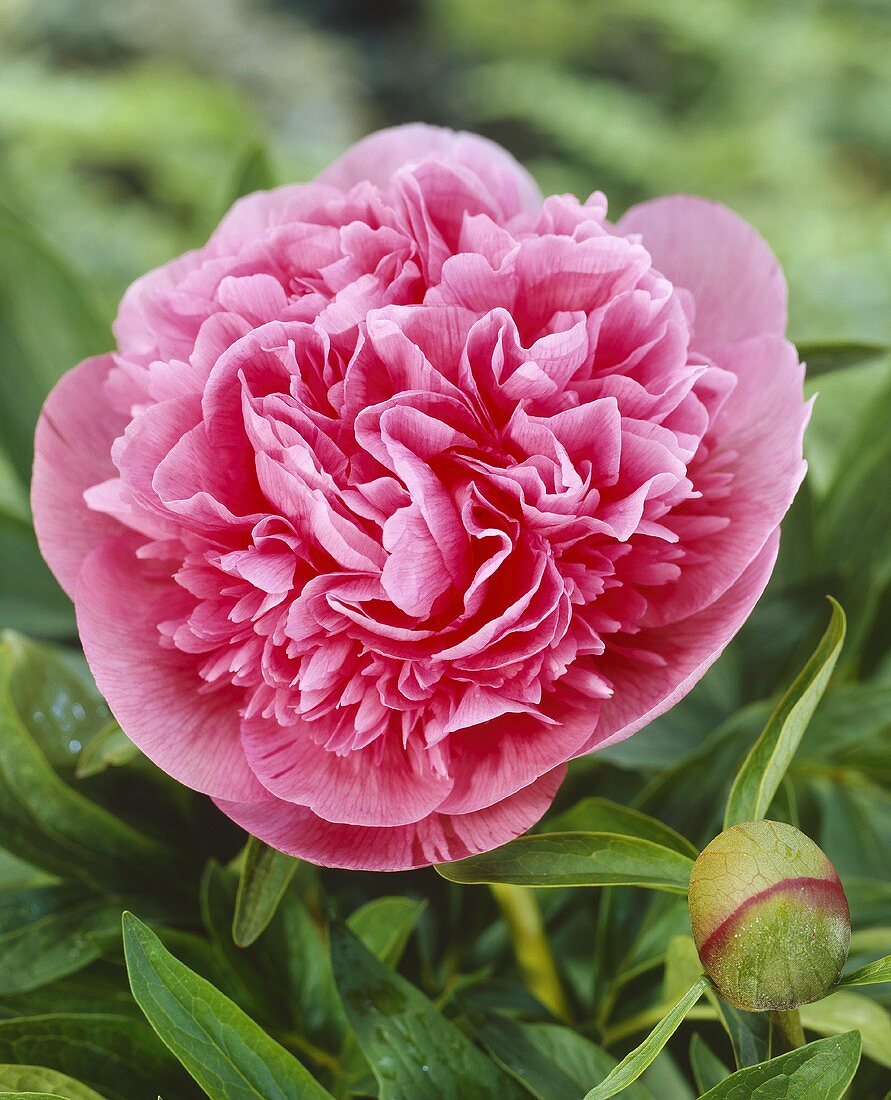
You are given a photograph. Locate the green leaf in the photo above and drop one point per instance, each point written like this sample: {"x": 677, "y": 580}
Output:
{"x": 871, "y": 974}
{"x": 45, "y": 821}
{"x": 41, "y": 1081}
{"x": 600, "y": 815}
{"x": 821, "y": 358}
{"x": 576, "y": 859}
{"x": 708, "y": 1069}
{"x": 33, "y": 281}
{"x": 229, "y": 1056}
{"x": 253, "y": 172}
{"x": 634, "y": 1064}
{"x": 115, "y": 1055}
{"x": 749, "y": 1032}
{"x": 823, "y": 1069}
{"x": 841, "y": 1011}
{"x": 30, "y": 597}
{"x": 384, "y": 925}
{"x": 265, "y": 874}
{"x": 29, "y": 1096}
{"x": 50, "y": 932}
{"x": 552, "y": 1062}
{"x": 415, "y": 1052}
{"x": 109, "y": 748}
{"x": 763, "y": 769}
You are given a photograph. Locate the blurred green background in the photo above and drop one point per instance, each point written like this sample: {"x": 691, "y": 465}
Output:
{"x": 125, "y": 126}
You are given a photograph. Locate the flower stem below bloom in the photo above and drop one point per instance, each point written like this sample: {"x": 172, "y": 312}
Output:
{"x": 533, "y": 953}
{"x": 788, "y": 1026}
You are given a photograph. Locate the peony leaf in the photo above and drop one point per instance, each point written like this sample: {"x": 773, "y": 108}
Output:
{"x": 118, "y": 1055}
{"x": 600, "y": 815}
{"x": 42, "y": 819}
{"x": 708, "y": 1069}
{"x": 765, "y": 766}
{"x": 551, "y": 1061}
{"x": 823, "y": 357}
{"x": 385, "y": 924}
{"x": 41, "y": 1081}
{"x": 634, "y": 1064}
{"x": 872, "y": 974}
{"x": 252, "y": 172}
{"x": 842, "y": 1011}
{"x": 576, "y": 859}
{"x": 415, "y": 1052}
{"x": 824, "y": 1068}
{"x": 229, "y": 1056}
{"x": 265, "y": 875}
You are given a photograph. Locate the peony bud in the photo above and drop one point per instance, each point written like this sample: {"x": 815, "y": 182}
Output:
{"x": 770, "y": 918}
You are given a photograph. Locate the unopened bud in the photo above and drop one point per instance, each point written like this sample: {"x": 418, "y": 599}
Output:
{"x": 770, "y": 918}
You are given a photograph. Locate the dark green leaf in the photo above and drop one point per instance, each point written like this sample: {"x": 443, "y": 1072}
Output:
{"x": 708, "y": 1069}
{"x": 823, "y": 1069}
{"x": 821, "y": 358}
{"x": 47, "y": 823}
{"x": 229, "y": 1056}
{"x": 749, "y": 1032}
{"x": 116, "y": 1055}
{"x": 415, "y": 1052}
{"x": 44, "y": 1081}
{"x": 265, "y": 874}
{"x": 763, "y": 769}
{"x": 50, "y": 932}
{"x": 576, "y": 859}
{"x": 600, "y": 815}
{"x": 552, "y": 1062}
{"x": 634, "y": 1064}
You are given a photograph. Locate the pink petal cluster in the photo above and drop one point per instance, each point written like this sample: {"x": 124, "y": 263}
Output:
{"x": 410, "y": 486}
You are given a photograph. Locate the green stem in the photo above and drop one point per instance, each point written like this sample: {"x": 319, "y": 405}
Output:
{"x": 534, "y": 956}
{"x": 788, "y": 1026}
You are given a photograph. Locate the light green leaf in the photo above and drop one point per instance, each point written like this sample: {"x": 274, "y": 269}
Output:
{"x": 41, "y": 1081}
{"x": 600, "y": 815}
{"x": 384, "y": 925}
{"x": 45, "y": 821}
{"x": 229, "y": 1056}
{"x": 821, "y": 358}
{"x": 415, "y": 1052}
{"x": 576, "y": 859}
{"x": 109, "y": 748}
{"x": 117, "y": 1055}
{"x": 253, "y": 172}
{"x": 634, "y": 1064}
{"x": 708, "y": 1069}
{"x": 264, "y": 877}
{"x": 763, "y": 769}
{"x": 29, "y": 1096}
{"x": 823, "y": 1069}
{"x": 552, "y": 1062}
{"x": 841, "y": 1011}
{"x": 682, "y": 968}
{"x": 871, "y": 974}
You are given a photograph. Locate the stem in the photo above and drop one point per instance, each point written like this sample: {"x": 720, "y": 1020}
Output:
{"x": 788, "y": 1026}
{"x": 533, "y": 953}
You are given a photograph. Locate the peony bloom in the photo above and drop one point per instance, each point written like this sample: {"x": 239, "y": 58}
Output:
{"x": 410, "y": 486}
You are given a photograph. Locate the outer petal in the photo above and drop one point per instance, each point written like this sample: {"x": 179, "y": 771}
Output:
{"x": 689, "y": 649}
{"x": 758, "y": 438}
{"x": 378, "y": 157}
{"x": 734, "y": 278}
{"x": 437, "y": 839}
{"x": 152, "y": 691}
{"x": 72, "y": 452}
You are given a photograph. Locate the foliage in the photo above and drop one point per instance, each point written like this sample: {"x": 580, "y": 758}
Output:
{"x": 119, "y": 146}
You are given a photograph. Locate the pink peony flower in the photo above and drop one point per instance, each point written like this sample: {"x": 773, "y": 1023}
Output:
{"x": 410, "y": 486}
